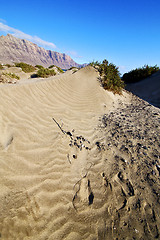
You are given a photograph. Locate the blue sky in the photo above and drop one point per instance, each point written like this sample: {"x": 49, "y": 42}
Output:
{"x": 126, "y": 33}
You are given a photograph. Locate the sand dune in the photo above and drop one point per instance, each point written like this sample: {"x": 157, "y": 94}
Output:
{"x": 67, "y": 167}
{"x": 147, "y": 89}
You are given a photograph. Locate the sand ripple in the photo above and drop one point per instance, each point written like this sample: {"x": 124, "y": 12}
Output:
{"x": 64, "y": 181}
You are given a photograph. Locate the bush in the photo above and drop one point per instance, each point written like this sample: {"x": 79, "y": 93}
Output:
{"x": 60, "y": 70}
{"x": 110, "y": 76}
{"x": 139, "y": 74}
{"x": 44, "y": 73}
{"x": 27, "y": 68}
{"x": 12, "y": 75}
{"x": 39, "y": 66}
{"x": 51, "y": 66}
{"x": 95, "y": 63}
{"x": 8, "y": 65}
{"x": 72, "y": 68}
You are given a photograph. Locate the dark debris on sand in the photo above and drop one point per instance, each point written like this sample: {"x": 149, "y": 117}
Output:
{"x": 132, "y": 149}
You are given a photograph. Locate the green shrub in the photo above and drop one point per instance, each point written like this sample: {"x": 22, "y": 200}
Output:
{"x": 139, "y": 74}
{"x": 60, "y": 70}
{"x": 44, "y": 73}
{"x": 72, "y": 68}
{"x": 12, "y": 75}
{"x": 95, "y": 63}
{"x": 27, "y": 68}
{"x": 51, "y": 66}
{"x": 110, "y": 76}
{"x": 8, "y": 65}
{"x": 39, "y": 66}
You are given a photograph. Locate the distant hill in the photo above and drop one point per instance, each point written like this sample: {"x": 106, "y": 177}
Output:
{"x": 147, "y": 89}
{"x": 13, "y": 49}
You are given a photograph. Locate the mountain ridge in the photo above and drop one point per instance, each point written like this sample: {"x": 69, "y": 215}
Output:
{"x": 14, "y": 49}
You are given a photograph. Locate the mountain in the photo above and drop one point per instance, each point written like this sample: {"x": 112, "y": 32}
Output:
{"x": 147, "y": 89}
{"x": 13, "y": 49}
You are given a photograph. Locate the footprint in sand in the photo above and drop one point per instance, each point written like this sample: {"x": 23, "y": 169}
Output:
{"x": 150, "y": 216}
{"x": 84, "y": 195}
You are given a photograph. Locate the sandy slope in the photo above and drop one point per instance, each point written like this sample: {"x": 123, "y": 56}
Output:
{"x": 70, "y": 163}
{"x": 147, "y": 89}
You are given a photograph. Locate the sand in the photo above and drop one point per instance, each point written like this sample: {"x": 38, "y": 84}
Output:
{"x": 77, "y": 162}
{"x": 14, "y": 70}
{"x": 147, "y": 89}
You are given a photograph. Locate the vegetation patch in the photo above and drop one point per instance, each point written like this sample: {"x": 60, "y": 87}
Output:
{"x": 58, "y": 68}
{"x": 109, "y": 76}
{"x": 8, "y": 65}
{"x": 95, "y": 64}
{"x": 139, "y": 74}
{"x": 44, "y": 73}
{"x": 51, "y": 66}
{"x": 12, "y": 75}
{"x": 39, "y": 66}
{"x": 27, "y": 68}
{"x": 72, "y": 68}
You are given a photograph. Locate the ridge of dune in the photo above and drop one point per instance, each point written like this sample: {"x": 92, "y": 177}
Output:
{"x": 70, "y": 163}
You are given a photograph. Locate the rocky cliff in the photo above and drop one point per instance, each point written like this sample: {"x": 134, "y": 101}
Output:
{"x": 13, "y": 49}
